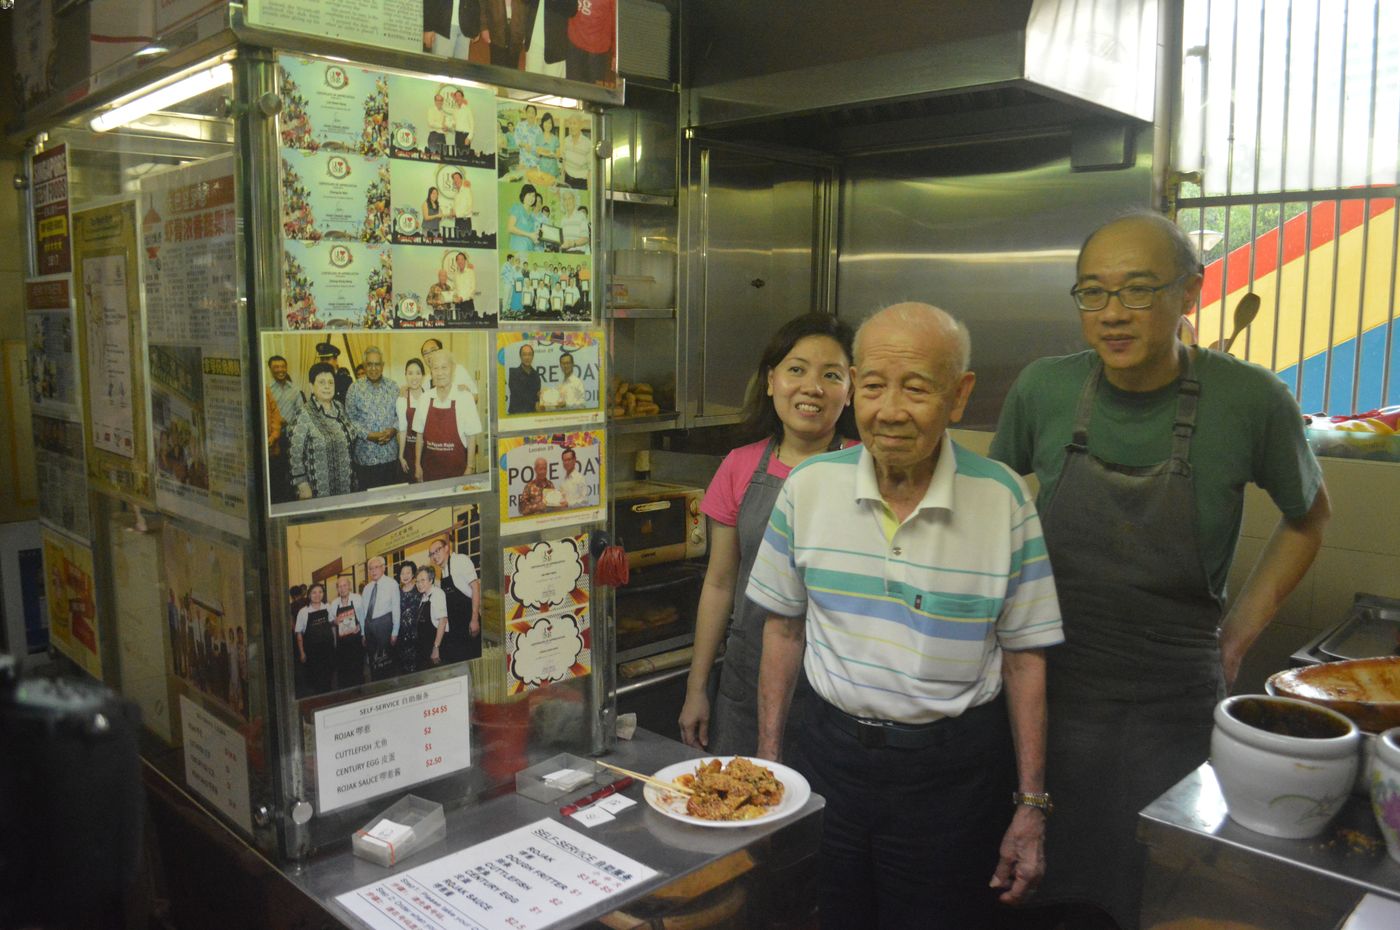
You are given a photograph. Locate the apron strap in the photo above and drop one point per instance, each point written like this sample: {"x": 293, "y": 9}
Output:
{"x": 1184, "y": 427}
{"x": 768, "y": 451}
{"x": 1079, "y": 440}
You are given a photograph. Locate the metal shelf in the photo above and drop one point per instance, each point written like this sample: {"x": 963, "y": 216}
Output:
{"x": 654, "y": 200}
{"x": 639, "y": 313}
{"x": 660, "y": 421}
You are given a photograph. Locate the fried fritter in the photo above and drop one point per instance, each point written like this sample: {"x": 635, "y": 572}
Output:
{"x": 740, "y": 790}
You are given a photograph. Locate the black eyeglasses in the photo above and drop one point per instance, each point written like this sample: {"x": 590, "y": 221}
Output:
{"x": 1134, "y": 297}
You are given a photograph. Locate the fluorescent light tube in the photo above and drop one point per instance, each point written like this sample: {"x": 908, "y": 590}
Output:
{"x": 192, "y": 86}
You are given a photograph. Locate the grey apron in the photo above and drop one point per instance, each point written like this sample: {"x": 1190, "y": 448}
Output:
{"x": 1132, "y": 689}
{"x": 734, "y": 721}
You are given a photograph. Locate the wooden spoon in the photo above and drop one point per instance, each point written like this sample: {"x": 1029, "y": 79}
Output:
{"x": 1245, "y": 312}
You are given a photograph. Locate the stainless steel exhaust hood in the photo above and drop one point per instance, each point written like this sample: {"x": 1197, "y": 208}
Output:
{"x": 760, "y": 61}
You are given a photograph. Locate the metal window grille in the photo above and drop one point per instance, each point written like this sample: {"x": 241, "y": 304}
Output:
{"x": 1288, "y": 146}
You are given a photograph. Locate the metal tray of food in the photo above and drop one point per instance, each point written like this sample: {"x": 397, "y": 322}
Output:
{"x": 1371, "y": 628}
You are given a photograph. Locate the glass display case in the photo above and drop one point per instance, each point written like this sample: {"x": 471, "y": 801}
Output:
{"x": 319, "y": 385}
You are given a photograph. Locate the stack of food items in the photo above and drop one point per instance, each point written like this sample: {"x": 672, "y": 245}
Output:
{"x": 633, "y": 400}
{"x": 740, "y": 790}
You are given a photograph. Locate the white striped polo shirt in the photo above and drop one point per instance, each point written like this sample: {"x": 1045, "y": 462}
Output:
{"x": 909, "y": 627}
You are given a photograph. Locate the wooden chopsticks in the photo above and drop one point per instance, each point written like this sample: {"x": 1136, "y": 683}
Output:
{"x": 655, "y": 782}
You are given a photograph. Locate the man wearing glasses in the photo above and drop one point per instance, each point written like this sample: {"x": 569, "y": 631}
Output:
{"x": 1142, "y": 447}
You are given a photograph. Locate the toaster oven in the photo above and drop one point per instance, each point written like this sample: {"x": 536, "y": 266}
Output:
{"x": 656, "y": 522}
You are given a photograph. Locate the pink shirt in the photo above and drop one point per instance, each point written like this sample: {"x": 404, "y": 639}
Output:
{"x": 731, "y": 480}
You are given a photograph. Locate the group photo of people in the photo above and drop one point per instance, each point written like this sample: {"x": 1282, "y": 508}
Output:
{"x": 209, "y": 655}
{"x": 410, "y": 599}
{"x": 410, "y": 421}
{"x": 206, "y": 634}
{"x": 537, "y": 287}
{"x": 574, "y": 39}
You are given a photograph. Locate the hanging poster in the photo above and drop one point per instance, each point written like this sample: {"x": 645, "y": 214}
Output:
{"x": 107, "y": 283}
{"x": 207, "y": 638}
{"x": 53, "y": 247}
{"x": 330, "y": 195}
{"x": 216, "y": 762}
{"x": 52, "y": 346}
{"x": 71, "y": 596}
{"x": 190, "y": 272}
{"x": 370, "y": 398}
{"x": 548, "y": 635}
{"x": 61, "y": 476}
{"x": 340, "y": 561}
{"x": 135, "y": 563}
{"x": 382, "y": 23}
{"x": 438, "y": 203}
{"x": 336, "y": 285}
{"x": 551, "y": 480}
{"x": 193, "y": 325}
{"x": 331, "y": 105}
{"x": 441, "y": 287}
{"x": 441, "y": 121}
{"x": 549, "y": 379}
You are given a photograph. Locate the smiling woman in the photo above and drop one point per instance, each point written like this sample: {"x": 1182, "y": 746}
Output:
{"x": 798, "y": 407}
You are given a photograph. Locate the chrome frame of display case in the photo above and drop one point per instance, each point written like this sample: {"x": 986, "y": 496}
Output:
{"x": 282, "y": 820}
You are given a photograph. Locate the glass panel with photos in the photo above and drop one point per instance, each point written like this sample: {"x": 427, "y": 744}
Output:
{"x": 143, "y": 433}
{"x": 417, "y": 216}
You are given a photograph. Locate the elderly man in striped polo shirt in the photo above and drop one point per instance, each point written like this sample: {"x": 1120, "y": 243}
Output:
{"x": 908, "y": 580}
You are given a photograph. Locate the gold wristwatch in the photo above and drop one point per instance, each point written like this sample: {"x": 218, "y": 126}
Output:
{"x": 1040, "y": 800}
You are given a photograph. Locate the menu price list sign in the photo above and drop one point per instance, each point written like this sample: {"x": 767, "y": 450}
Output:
{"x": 216, "y": 763}
{"x": 530, "y": 878}
{"x": 389, "y": 742}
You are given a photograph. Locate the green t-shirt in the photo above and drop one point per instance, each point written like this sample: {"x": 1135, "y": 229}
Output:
{"x": 1248, "y": 428}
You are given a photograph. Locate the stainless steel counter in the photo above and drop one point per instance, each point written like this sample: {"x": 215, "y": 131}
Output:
{"x": 1201, "y": 864}
{"x": 692, "y": 861}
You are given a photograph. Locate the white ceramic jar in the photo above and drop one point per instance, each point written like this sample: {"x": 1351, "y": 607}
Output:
{"x": 1285, "y": 766}
{"x": 1385, "y": 788}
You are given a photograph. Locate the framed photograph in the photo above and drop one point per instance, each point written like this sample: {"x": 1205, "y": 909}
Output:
{"x": 372, "y": 598}
{"x": 551, "y": 480}
{"x": 356, "y": 418}
{"x": 549, "y": 379}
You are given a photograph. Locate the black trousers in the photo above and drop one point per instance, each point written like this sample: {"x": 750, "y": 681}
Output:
{"x": 377, "y": 476}
{"x": 911, "y": 837}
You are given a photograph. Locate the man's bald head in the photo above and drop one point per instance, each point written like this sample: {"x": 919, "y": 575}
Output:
{"x": 1183, "y": 251}
{"x": 923, "y": 324}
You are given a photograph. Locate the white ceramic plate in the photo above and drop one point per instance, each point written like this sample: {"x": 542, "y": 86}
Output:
{"x": 796, "y": 791}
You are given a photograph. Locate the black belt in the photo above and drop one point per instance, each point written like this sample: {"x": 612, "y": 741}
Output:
{"x": 881, "y": 734}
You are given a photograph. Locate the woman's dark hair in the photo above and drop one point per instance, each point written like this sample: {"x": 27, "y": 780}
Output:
{"x": 760, "y": 419}
{"x": 431, "y": 192}
{"x": 408, "y": 564}
{"x": 549, "y": 117}
{"x": 421, "y": 371}
{"x": 527, "y": 189}
{"x": 318, "y": 369}
{"x": 314, "y": 585}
